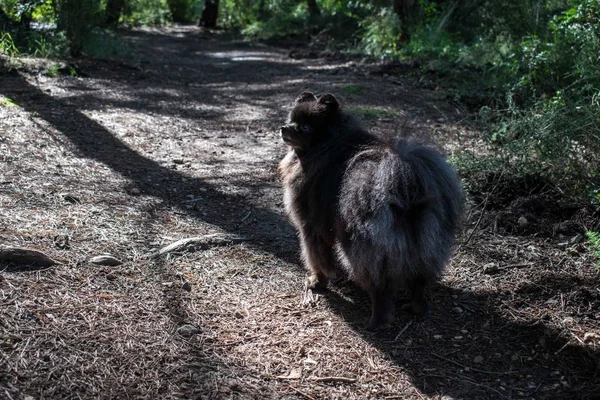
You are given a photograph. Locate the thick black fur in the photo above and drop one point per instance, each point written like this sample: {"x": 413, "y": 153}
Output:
{"x": 386, "y": 210}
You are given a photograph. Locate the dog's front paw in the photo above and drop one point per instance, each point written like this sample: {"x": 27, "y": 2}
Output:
{"x": 378, "y": 324}
{"x": 316, "y": 282}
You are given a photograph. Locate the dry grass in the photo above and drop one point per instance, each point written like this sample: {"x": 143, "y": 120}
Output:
{"x": 78, "y": 330}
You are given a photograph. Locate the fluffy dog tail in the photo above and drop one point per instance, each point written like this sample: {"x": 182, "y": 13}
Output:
{"x": 428, "y": 204}
{"x": 435, "y": 181}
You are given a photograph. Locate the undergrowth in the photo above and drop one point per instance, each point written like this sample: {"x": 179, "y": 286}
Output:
{"x": 594, "y": 243}
{"x": 540, "y": 113}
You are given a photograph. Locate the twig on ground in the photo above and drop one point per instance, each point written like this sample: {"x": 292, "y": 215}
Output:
{"x": 483, "y": 371}
{"x": 302, "y": 393}
{"x": 511, "y": 266}
{"x": 403, "y": 330}
{"x": 465, "y": 379}
{"x": 332, "y": 379}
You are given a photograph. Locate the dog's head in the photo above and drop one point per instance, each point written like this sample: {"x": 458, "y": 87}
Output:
{"x": 309, "y": 120}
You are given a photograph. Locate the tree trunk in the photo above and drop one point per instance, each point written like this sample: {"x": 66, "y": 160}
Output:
{"x": 210, "y": 14}
{"x": 404, "y": 9}
{"x": 5, "y": 21}
{"x": 313, "y": 8}
{"x": 262, "y": 12}
{"x": 114, "y": 8}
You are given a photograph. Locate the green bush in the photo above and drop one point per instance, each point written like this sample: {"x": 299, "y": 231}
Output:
{"x": 279, "y": 18}
{"x": 594, "y": 243}
{"x": 550, "y": 125}
{"x": 381, "y": 34}
{"x": 185, "y": 10}
{"x": 290, "y": 19}
{"x": 7, "y": 45}
{"x": 21, "y": 39}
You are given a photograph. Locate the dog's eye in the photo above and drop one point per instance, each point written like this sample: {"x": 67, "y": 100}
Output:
{"x": 304, "y": 128}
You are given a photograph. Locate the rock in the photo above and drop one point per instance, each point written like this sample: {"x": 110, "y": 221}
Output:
{"x": 61, "y": 241}
{"x": 71, "y": 199}
{"x": 186, "y": 286}
{"x": 576, "y": 239}
{"x": 135, "y": 192}
{"x": 589, "y": 336}
{"x": 188, "y": 330}
{"x": 457, "y": 310}
{"x": 523, "y": 222}
{"x": 490, "y": 268}
{"x": 478, "y": 360}
{"x": 178, "y": 161}
{"x": 568, "y": 320}
{"x": 295, "y": 373}
{"x": 437, "y": 337}
{"x": 106, "y": 259}
{"x": 24, "y": 256}
{"x": 567, "y": 228}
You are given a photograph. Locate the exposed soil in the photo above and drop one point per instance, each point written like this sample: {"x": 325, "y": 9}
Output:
{"x": 180, "y": 139}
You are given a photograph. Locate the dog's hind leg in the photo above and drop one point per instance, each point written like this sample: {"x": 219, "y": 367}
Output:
{"x": 418, "y": 304}
{"x": 382, "y": 306}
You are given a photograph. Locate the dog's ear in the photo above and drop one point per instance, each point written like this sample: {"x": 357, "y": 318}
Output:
{"x": 329, "y": 101}
{"x": 305, "y": 96}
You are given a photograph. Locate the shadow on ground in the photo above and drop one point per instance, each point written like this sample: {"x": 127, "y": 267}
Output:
{"x": 271, "y": 233}
{"x": 471, "y": 347}
{"x": 95, "y": 142}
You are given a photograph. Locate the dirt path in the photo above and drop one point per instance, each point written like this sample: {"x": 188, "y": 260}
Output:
{"x": 180, "y": 139}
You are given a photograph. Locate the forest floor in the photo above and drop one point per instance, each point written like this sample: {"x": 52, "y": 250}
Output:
{"x": 179, "y": 138}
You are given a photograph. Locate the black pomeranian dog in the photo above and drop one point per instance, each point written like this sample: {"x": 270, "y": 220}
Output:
{"x": 386, "y": 210}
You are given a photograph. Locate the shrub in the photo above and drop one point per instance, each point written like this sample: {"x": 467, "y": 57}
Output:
{"x": 185, "y": 10}
{"x": 594, "y": 244}
{"x": 7, "y": 45}
{"x": 551, "y": 125}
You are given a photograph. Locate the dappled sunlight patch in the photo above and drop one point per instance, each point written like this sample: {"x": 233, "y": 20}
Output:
{"x": 7, "y": 102}
{"x": 247, "y": 113}
{"x": 245, "y": 56}
{"x": 328, "y": 66}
